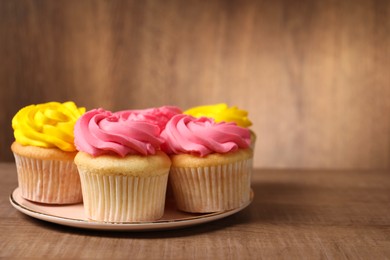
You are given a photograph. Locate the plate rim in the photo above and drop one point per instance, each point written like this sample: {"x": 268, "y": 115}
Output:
{"x": 125, "y": 226}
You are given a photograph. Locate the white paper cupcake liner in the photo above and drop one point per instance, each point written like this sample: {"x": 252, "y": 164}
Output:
{"x": 212, "y": 188}
{"x": 48, "y": 181}
{"x": 120, "y": 198}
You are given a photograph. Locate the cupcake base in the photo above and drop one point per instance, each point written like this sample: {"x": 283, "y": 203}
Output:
{"x": 209, "y": 187}
{"x": 129, "y": 189}
{"x": 123, "y": 198}
{"x": 47, "y": 175}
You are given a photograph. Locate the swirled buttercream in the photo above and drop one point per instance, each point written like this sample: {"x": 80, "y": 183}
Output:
{"x": 100, "y": 132}
{"x": 221, "y": 113}
{"x": 158, "y": 116}
{"x": 47, "y": 125}
{"x": 202, "y": 136}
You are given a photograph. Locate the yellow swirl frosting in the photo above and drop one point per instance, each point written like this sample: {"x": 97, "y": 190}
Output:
{"x": 47, "y": 125}
{"x": 221, "y": 112}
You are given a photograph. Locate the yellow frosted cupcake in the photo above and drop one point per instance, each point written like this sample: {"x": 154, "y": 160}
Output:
{"x": 44, "y": 151}
{"x": 211, "y": 163}
{"x": 123, "y": 173}
{"x": 223, "y": 113}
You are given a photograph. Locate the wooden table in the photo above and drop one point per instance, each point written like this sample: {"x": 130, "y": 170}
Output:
{"x": 303, "y": 214}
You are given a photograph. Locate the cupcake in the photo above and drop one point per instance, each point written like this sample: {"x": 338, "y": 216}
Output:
{"x": 44, "y": 151}
{"x": 211, "y": 163}
{"x": 222, "y": 113}
{"x": 123, "y": 172}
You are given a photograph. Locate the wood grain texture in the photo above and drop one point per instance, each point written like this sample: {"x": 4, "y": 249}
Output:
{"x": 314, "y": 75}
{"x": 295, "y": 214}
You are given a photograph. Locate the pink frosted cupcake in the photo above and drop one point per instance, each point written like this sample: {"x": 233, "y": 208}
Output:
{"x": 123, "y": 173}
{"x": 211, "y": 163}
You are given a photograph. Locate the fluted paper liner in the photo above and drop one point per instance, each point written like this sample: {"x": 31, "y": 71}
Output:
{"x": 212, "y": 188}
{"x": 48, "y": 181}
{"x": 121, "y": 198}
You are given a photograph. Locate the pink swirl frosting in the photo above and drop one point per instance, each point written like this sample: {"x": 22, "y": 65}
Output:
{"x": 203, "y": 136}
{"x": 158, "y": 116}
{"x": 100, "y": 132}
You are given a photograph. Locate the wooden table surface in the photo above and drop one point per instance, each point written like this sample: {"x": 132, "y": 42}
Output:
{"x": 304, "y": 214}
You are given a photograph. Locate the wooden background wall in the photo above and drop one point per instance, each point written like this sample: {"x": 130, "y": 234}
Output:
{"x": 314, "y": 75}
